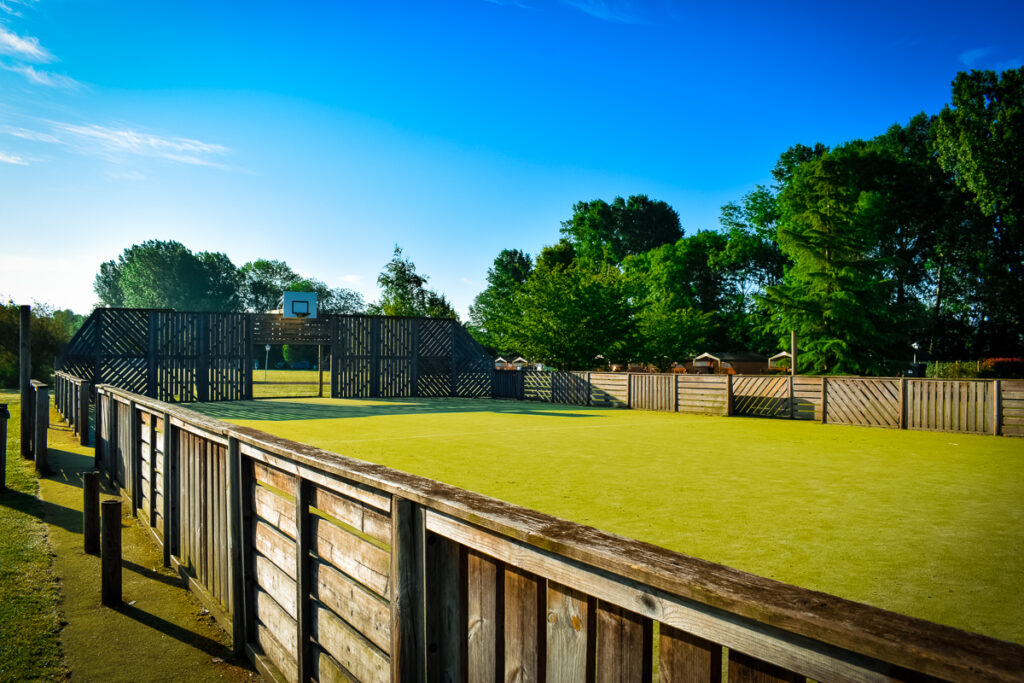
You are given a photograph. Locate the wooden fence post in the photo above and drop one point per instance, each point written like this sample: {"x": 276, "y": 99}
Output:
{"x": 91, "y": 512}
{"x": 152, "y": 470}
{"x": 903, "y": 403}
{"x": 235, "y": 541}
{"x": 110, "y": 567}
{"x": 824, "y": 400}
{"x": 169, "y": 489}
{"x": 25, "y": 359}
{"x": 675, "y": 393}
{"x": 98, "y": 443}
{"x": 792, "y": 412}
{"x": 415, "y": 370}
{"x": 83, "y": 413}
{"x": 408, "y": 618}
{"x": 728, "y": 395}
{"x": 4, "y": 416}
{"x": 203, "y": 360}
{"x": 42, "y": 414}
{"x": 629, "y": 390}
{"x": 303, "y": 579}
{"x": 997, "y": 408}
{"x": 151, "y": 374}
{"x": 134, "y": 474}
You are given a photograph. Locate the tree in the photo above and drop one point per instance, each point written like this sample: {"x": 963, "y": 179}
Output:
{"x": 572, "y": 314}
{"x": 337, "y": 301}
{"x": 404, "y": 292}
{"x": 494, "y": 316}
{"x": 980, "y": 141}
{"x": 834, "y": 294}
{"x": 50, "y": 332}
{"x": 607, "y": 233}
{"x": 158, "y": 274}
{"x": 264, "y": 283}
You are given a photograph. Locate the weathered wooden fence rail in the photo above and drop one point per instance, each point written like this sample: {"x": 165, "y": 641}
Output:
{"x": 970, "y": 406}
{"x": 328, "y": 568}
{"x": 73, "y": 396}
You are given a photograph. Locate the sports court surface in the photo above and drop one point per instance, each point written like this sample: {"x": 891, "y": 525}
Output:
{"x": 923, "y": 523}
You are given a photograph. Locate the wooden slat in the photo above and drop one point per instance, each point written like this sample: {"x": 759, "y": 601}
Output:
{"x": 277, "y": 547}
{"x": 275, "y": 510}
{"x": 276, "y": 583}
{"x": 568, "y": 634}
{"x": 624, "y": 645}
{"x": 445, "y": 626}
{"x": 482, "y": 627}
{"x": 745, "y": 669}
{"x": 524, "y": 639}
{"x": 349, "y": 648}
{"x": 685, "y": 658}
{"x": 355, "y": 514}
{"x": 361, "y": 560}
{"x": 366, "y": 612}
{"x": 281, "y": 626}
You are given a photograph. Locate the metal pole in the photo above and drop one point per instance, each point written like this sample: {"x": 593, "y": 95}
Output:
{"x": 266, "y": 363}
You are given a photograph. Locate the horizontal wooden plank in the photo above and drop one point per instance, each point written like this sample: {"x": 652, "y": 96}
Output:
{"x": 277, "y": 621}
{"x": 276, "y": 583}
{"x": 354, "y": 513}
{"x": 275, "y": 510}
{"x": 358, "y": 655}
{"x": 326, "y": 670}
{"x": 363, "y": 561}
{"x": 276, "y": 546}
{"x": 277, "y": 653}
{"x": 365, "y": 611}
{"x": 275, "y": 477}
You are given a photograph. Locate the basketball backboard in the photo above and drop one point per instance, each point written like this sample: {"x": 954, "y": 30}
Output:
{"x": 299, "y": 305}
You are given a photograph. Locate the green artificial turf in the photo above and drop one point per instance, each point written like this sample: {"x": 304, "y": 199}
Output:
{"x": 927, "y": 524}
{"x": 292, "y": 383}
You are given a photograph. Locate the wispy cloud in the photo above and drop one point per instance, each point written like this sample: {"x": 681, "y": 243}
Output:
{"x": 620, "y": 11}
{"x": 989, "y": 57}
{"x": 21, "y": 47}
{"x": 34, "y": 135}
{"x": 6, "y": 158}
{"x": 40, "y": 77}
{"x": 4, "y": 7}
{"x": 124, "y": 141}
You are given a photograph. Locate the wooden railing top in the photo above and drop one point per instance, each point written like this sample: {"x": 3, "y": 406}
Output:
{"x": 914, "y": 644}
{"x": 74, "y": 379}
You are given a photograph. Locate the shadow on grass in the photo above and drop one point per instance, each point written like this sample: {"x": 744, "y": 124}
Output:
{"x": 279, "y": 410}
{"x": 207, "y": 645}
{"x": 51, "y": 513}
{"x": 175, "y": 580}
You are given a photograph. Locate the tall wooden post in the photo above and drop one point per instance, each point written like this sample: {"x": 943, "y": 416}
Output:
{"x": 203, "y": 361}
{"x": 416, "y": 323}
{"x": 375, "y": 357}
{"x": 110, "y": 570}
{"x": 91, "y": 512}
{"x": 792, "y": 351}
{"x": 25, "y": 359}
{"x": 792, "y": 400}
{"x": 320, "y": 370}
{"x": 997, "y": 408}
{"x": 42, "y": 415}
{"x": 134, "y": 468}
{"x": 303, "y": 579}
{"x": 335, "y": 365}
{"x": 728, "y": 395}
{"x": 235, "y": 541}
{"x": 83, "y": 413}
{"x": 408, "y": 599}
{"x": 903, "y": 403}
{"x": 824, "y": 400}
{"x": 98, "y": 443}
{"x": 170, "y": 490}
{"x": 455, "y": 370}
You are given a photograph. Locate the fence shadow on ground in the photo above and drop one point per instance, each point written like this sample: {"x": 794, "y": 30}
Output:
{"x": 276, "y": 411}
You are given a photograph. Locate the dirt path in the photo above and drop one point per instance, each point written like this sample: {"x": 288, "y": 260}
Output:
{"x": 161, "y": 633}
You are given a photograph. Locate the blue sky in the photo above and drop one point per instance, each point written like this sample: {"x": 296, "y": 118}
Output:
{"x": 324, "y": 133}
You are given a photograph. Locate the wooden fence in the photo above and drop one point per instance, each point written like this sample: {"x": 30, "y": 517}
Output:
{"x": 969, "y": 406}
{"x": 327, "y": 568}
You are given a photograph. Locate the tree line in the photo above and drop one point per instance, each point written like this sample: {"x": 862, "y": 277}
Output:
{"x": 915, "y": 236}
{"x": 166, "y": 274}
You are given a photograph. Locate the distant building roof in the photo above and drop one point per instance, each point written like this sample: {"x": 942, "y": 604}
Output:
{"x": 733, "y": 357}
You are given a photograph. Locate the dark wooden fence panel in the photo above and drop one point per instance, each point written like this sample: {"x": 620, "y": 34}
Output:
{"x": 508, "y": 384}
{"x": 300, "y": 554}
{"x": 950, "y": 405}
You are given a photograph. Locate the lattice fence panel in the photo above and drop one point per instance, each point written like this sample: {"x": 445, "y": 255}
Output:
{"x": 570, "y": 388}
{"x": 395, "y": 357}
{"x": 862, "y": 401}
{"x": 124, "y": 345}
{"x": 177, "y": 350}
{"x": 537, "y": 385}
{"x": 229, "y": 363}
{"x": 435, "y": 357}
{"x": 354, "y": 366}
{"x": 473, "y": 367}
{"x": 761, "y": 396}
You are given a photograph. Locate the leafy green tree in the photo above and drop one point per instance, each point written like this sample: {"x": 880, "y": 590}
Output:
{"x": 339, "y": 301}
{"x": 264, "y": 283}
{"x": 157, "y": 274}
{"x": 834, "y": 294}
{"x": 404, "y": 292}
{"x": 572, "y": 314}
{"x": 50, "y": 332}
{"x": 602, "y": 232}
{"x": 980, "y": 141}
{"x": 494, "y": 316}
